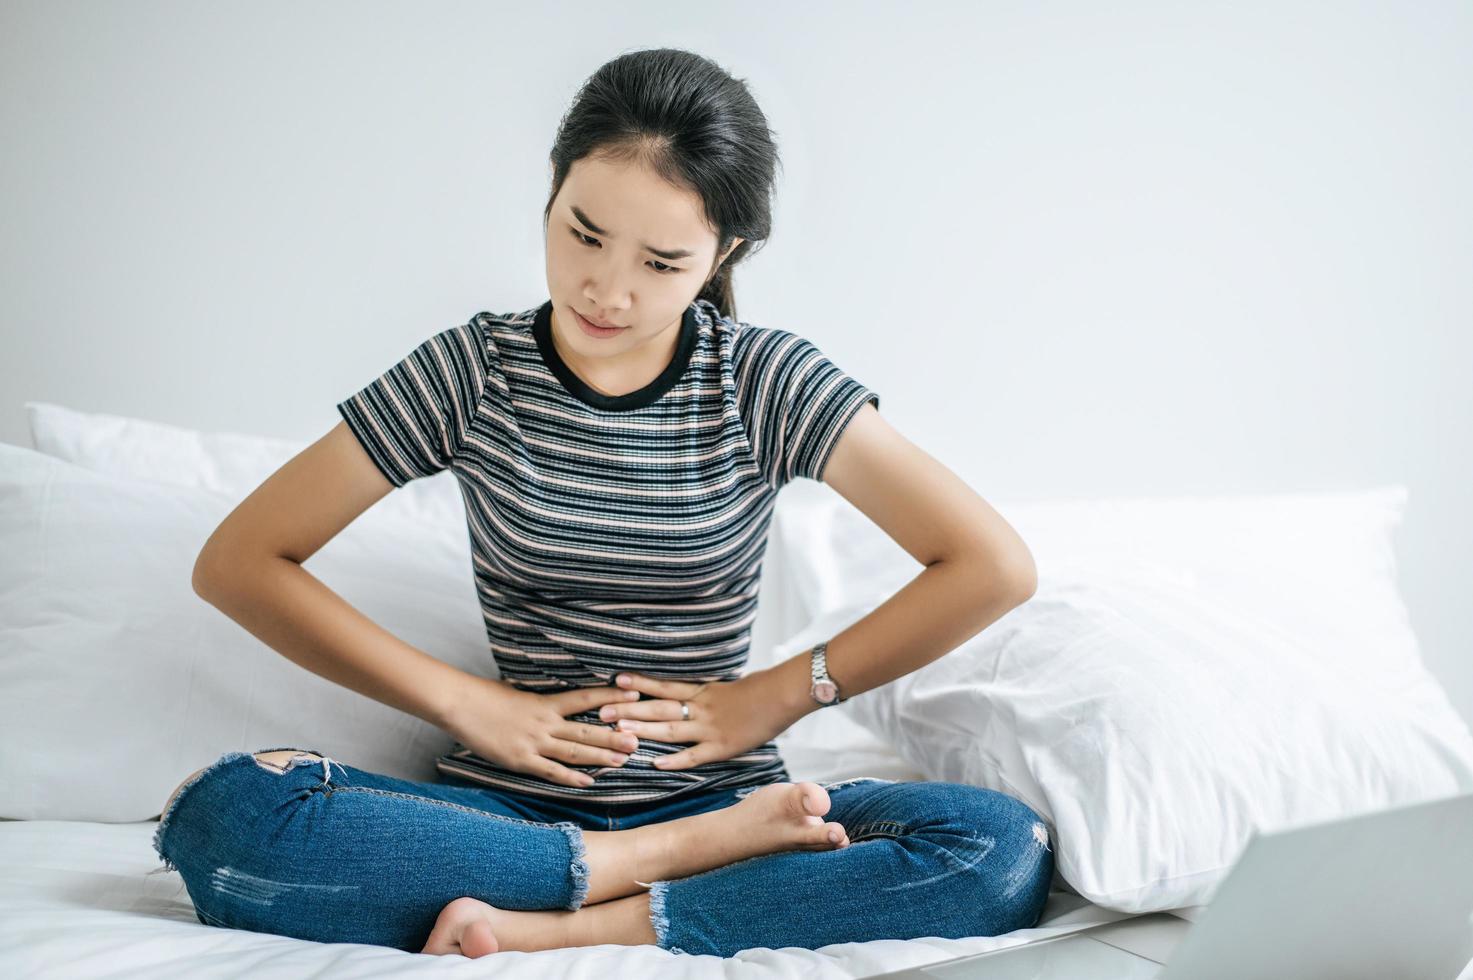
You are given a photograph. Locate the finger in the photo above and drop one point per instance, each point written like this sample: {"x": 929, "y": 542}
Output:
{"x": 597, "y": 735}
{"x": 589, "y": 698}
{"x": 562, "y": 775}
{"x": 680, "y": 732}
{"x": 584, "y": 755}
{"x": 659, "y": 688}
{"x": 657, "y": 710}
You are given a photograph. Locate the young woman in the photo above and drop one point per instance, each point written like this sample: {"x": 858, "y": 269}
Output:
{"x": 619, "y": 449}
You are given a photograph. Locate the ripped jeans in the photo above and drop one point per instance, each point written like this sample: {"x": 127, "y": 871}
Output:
{"x": 319, "y": 850}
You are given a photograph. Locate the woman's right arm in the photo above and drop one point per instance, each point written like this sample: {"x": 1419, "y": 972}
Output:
{"x": 251, "y": 570}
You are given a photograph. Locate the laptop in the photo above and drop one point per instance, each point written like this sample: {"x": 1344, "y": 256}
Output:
{"x": 1377, "y": 895}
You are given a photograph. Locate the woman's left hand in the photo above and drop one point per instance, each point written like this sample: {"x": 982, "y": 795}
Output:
{"x": 727, "y": 718}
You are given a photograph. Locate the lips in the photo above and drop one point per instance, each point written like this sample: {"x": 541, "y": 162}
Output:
{"x": 600, "y": 323}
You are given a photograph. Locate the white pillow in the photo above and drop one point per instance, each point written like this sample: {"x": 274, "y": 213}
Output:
{"x": 1320, "y": 565}
{"x": 221, "y": 462}
{"x": 234, "y": 465}
{"x": 1154, "y": 727}
{"x": 117, "y": 681}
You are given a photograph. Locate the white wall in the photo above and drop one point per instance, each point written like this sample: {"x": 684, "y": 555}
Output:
{"x": 1079, "y": 250}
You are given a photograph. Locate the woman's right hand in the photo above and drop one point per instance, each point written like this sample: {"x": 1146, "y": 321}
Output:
{"x": 526, "y": 732}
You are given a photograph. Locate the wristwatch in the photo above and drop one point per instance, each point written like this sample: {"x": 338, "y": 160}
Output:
{"x": 824, "y": 690}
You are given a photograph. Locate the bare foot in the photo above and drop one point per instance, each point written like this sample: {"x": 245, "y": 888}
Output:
{"x": 469, "y": 927}
{"x": 473, "y": 928}
{"x": 783, "y": 817}
{"x": 770, "y": 819}
{"x": 773, "y": 818}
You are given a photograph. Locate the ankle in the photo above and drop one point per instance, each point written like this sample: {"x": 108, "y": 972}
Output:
{"x": 654, "y": 845}
{"x": 535, "y": 931}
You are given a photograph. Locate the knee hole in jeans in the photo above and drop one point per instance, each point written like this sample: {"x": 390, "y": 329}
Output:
{"x": 277, "y": 761}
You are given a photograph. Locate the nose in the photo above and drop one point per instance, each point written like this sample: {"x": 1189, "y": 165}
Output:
{"x": 607, "y": 298}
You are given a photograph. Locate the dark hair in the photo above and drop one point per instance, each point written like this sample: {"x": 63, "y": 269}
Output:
{"x": 689, "y": 121}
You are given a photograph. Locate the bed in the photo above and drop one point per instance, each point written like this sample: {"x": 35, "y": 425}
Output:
{"x": 90, "y": 899}
{"x": 1190, "y": 670}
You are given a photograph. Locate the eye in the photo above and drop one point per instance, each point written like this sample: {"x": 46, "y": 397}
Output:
{"x": 663, "y": 269}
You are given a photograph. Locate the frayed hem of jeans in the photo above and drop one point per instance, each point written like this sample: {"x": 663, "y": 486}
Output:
{"x": 659, "y": 920}
{"x": 158, "y": 834}
{"x": 578, "y": 865}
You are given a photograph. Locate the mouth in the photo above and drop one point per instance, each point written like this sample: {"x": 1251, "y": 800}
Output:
{"x": 600, "y": 323}
{"x": 597, "y": 323}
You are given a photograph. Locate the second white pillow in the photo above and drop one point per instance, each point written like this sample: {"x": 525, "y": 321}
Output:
{"x": 1156, "y": 727}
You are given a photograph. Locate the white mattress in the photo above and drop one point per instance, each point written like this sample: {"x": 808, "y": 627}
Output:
{"x": 77, "y": 899}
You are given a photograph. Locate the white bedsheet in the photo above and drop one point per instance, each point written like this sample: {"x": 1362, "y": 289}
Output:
{"x": 77, "y": 900}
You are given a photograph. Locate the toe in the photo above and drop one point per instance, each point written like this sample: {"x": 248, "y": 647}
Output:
{"x": 812, "y": 799}
{"x": 817, "y": 837}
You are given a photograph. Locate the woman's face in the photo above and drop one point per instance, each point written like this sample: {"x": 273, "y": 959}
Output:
{"x": 625, "y": 248}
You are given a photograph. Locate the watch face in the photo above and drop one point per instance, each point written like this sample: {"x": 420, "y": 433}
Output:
{"x": 826, "y": 691}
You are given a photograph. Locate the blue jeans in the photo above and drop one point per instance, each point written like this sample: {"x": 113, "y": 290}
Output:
{"x": 321, "y": 850}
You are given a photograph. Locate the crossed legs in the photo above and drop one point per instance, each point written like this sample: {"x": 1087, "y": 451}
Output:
{"x": 779, "y": 817}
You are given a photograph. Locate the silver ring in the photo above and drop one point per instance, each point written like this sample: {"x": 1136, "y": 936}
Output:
{"x": 684, "y": 711}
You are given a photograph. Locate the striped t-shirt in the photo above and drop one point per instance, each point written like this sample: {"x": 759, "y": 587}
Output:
{"x": 612, "y": 533}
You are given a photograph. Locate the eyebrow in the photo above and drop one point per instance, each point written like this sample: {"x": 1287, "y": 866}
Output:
{"x": 678, "y": 253}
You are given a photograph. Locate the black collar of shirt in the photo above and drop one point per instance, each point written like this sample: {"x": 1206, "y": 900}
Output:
{"x": 640, "y": 397}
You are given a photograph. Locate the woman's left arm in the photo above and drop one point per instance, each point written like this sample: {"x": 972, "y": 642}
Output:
{"x": 977, "y": 569}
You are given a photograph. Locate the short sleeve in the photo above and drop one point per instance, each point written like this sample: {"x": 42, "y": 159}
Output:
{"x": 412, "y": 419}
{"x": 800, "y": 402}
